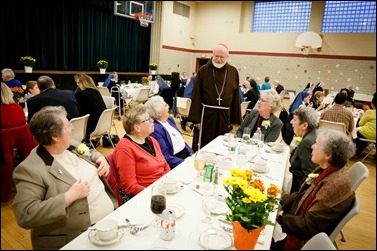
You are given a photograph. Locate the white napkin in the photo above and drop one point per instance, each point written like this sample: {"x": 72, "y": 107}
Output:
{"x": 278, "y": 234}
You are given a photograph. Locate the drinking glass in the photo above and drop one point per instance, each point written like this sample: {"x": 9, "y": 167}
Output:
{"x": 246, "y": 134}
{"x": 209, "y": 204}
{"x": 158, "y": 202}
{"x": 199, "y": 163}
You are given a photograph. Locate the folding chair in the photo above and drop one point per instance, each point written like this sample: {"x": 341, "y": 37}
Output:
{"x": 104, "y": 125}
{"x": 79, "y": 127}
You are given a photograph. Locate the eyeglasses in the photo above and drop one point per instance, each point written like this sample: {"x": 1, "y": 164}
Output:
{"x": 149, "y": 119}
{"x": 262, "y": 100}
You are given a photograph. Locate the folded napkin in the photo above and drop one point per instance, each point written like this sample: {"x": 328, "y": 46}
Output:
{"x": 278, "y": 234}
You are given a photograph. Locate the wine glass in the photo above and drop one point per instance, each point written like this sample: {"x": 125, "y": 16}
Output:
{"x": 158, "y": 202}
{"x": 209, "y": 204}
{"x": 199, "y": 163}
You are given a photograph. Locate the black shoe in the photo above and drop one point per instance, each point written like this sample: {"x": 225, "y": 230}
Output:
{"x": 183, "y": 123}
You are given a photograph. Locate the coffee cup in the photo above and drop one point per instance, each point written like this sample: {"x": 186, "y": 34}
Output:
{"x": 107, "y": 229}
{"x": 278, "y": 147}
{"x": 260, "y": 165}
{"x": 170, "y": 184}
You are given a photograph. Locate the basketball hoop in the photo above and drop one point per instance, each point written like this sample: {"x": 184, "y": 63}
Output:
{"x": 305, "y": 49}
{"x": 144, "y": 18}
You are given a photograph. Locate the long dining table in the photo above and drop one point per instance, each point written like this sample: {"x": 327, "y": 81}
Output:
{"x": 187, "y": 204}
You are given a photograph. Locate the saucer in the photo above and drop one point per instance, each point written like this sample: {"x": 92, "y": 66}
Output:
{"x": 215, "y": 240}
{"x": 260, "y": 171}
{"x": 221, "y": 208}
{"x": 93, "y": 238}
{"x": 178, "y": 209}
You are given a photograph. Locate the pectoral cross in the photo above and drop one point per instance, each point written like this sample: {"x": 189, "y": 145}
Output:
{"x": 219, "y": 99}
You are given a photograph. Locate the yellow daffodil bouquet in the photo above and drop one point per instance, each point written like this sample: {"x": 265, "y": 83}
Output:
{"x": 248, "y": 201}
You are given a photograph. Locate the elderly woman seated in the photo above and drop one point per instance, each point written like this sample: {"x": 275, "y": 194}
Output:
{"x": 304, "y": 125}
{"x": 171, "y": 141}
{"x": 263, "y": 117}
{"x": 60, "y": 193}
{"x": 138, "y": 158}
{"x": 324, "y": 197}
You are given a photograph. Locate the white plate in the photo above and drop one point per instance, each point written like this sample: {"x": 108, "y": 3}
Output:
{"x": 178, "y": 209}
{"x": 221, "y": 208}
{"x": 215, "y": 240}
{"x": 93, "y": 237}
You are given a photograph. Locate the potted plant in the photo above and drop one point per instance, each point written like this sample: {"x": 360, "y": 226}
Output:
{"x": 28, "y": 62}
{"x": 102, "y": 65}
{"x": 153, "y": 66}
{"x": 250, "y": 206}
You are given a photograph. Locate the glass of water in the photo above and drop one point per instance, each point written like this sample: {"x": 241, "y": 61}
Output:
{"x": 246, "y": 134}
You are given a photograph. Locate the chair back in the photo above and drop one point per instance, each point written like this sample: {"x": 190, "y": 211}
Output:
{"x": 357, "y": 173}
{"x": 104, "y": 91}
{"x": 104, "y": 124}
{"x": 183, "y": 106}
{"x": 355, "y": 210}
{"x": 79, "y": 127}
{"x": 109, "y": 101}
{"x": 143, "y": 95}
{"x": 340, "y": 126}
{"x": 19, "y": 138}
{"x": 113, "y": 177}
{"x": 244, "y": 106}
{"x": 320, "y": 241}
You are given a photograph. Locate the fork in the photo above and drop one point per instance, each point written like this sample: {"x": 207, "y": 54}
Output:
{"x": 135, "y": 229}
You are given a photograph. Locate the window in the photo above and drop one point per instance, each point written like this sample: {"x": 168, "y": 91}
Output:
{"x": 181, "y": 9}
{"x": 349, "y": 16}
{"x": 281, "y": 16}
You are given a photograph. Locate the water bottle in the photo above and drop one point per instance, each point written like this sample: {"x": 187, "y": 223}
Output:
{"x": 259, "y": 137}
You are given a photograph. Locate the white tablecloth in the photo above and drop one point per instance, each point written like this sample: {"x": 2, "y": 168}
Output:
{"x": 189, "y": 225}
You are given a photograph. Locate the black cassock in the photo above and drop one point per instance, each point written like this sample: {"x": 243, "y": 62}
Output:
{"x": 217, "y": 90}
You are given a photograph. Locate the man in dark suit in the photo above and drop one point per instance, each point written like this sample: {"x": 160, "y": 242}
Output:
{"x": 50, "y": 96}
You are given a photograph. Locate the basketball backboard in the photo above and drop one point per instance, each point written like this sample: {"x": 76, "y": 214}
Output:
{"x": 130, "y": 8}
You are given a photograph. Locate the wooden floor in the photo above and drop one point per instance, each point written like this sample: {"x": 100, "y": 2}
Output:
{"x": 360, "y": 232}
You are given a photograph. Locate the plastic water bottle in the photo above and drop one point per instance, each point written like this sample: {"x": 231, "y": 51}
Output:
{"x": 259, "y": 137}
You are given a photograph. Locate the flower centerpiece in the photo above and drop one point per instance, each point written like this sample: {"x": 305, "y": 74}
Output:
{"x": 18, "y": 93}
{"x": 102, "y": 64}
{"x": 250, "y": 205}
{"x": 28, "y": 61}
{"x": 144, "y": 80}
{"x": 153, "y": 66}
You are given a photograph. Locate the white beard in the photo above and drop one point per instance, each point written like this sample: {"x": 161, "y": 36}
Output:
{"x": 217, "y": 65}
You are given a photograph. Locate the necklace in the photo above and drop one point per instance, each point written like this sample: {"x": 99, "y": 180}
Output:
{"x": 222, "y": 88}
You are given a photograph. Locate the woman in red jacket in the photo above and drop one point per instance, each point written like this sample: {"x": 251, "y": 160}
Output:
{"x": 138, "y": 158}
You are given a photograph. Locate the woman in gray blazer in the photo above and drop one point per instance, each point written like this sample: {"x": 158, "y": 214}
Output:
{"x": 60, "y": 193}
{"x": 263, "y": 116}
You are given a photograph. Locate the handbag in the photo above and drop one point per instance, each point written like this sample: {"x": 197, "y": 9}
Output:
{"x": 106, "y": 141}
